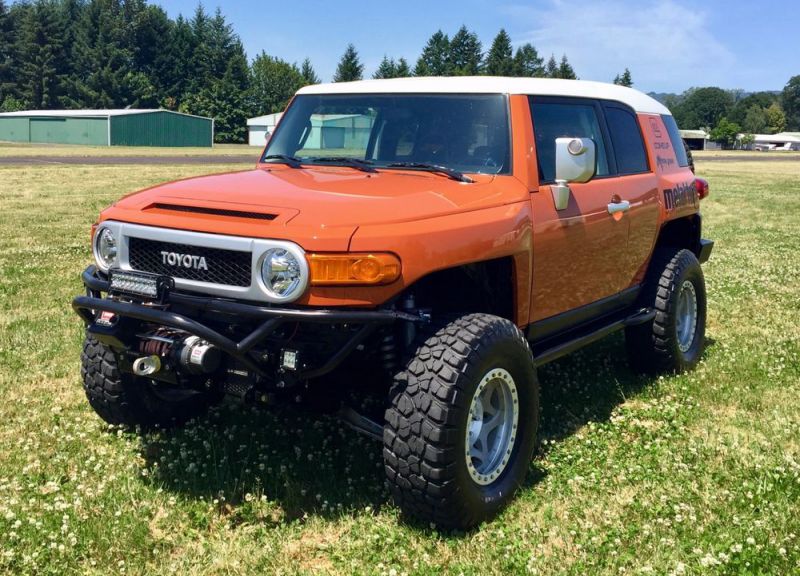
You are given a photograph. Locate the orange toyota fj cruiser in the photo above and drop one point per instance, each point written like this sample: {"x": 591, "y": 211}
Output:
{"x": 455, "y": 232}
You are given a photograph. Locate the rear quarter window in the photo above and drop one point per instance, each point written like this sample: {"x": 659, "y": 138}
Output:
{"x": 627, "y": 141}
{"x": 676, "y": 140}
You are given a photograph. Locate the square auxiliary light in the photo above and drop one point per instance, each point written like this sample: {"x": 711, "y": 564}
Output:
{"x": 289, "y": 359}
{"x": 134, "y": 283}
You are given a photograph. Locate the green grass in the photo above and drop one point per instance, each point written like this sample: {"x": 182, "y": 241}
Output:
{"x": 690, "y": 474}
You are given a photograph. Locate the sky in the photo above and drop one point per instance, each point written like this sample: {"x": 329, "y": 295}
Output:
{"x": 668, "y": 45}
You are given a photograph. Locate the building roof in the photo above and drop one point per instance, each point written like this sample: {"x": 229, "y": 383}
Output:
{"x": 494, "y": 85}
{"x": 88, "y": 113}
{"x": 694, "y": 134}
{"x": 781, "y": 138}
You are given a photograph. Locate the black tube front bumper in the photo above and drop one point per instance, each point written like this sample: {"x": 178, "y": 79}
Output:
{"x": 267, "y": 319}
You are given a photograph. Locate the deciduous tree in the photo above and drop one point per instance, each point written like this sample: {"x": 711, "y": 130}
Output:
{"x": 790, "y": 100}
{"x": 776, "y": 118}
{"x": 702, "y": 107}
{"x": 725, "y": 132}
{"x": 755, "y": 121}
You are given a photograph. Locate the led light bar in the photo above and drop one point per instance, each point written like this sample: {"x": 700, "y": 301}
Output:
{"x": 134, "y": 284}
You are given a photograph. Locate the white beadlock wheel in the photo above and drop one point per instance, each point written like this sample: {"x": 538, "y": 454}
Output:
{"x": 492, "y": 428}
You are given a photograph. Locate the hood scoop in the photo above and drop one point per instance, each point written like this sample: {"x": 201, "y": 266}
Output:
{"x": 160, "y": 206}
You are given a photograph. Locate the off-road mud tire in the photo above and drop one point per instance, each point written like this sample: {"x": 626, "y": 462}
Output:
{"x": 653, "y": 347}
{"x": 426, "y": 421}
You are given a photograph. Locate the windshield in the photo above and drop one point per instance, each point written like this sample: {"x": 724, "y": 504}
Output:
{"x": 467, "y": 133}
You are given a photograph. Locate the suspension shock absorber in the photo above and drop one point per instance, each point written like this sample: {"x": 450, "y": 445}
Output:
{"x": 388, "y": 350}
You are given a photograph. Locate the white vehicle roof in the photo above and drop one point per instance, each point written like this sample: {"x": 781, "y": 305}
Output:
{"x": 639, "y": 101}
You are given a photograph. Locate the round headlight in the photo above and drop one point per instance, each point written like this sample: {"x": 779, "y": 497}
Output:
{"x": 105, "y": 249}
{"x": 283, "y": 274}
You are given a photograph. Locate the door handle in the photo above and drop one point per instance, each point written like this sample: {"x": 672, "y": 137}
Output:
{"x": 617, "y": 207}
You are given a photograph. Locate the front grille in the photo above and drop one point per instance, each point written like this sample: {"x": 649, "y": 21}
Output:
{"x": 229, "y": 267}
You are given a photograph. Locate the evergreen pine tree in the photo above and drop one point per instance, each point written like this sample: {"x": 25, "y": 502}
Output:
{"x": 104, "y": 75}
{"x": 177, "y": 72}
{"x": 500, "y": 58}
{"x": 565, "y": 70}
{"x": 465, "y": 53}
{"x": 386, "y": 69}
{"x": 527, "y": 62}
{"x": 551, "y": 70}
{"x": 435, "y": 57}
{"x": 221, "y": 88}
{"x": 624, "y": 79}
{"x": 6, "y": 58}
{"x": 308, "y": 73}
{"x": 42, "y": 63}
{"x": 402, "y": 70}
{"x": 350, "y": 67}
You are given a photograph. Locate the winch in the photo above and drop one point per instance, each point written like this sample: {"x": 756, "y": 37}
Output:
{"x": 166, "y": 347}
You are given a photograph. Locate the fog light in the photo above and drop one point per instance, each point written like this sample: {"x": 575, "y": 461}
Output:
{"x": 289, "y": 359}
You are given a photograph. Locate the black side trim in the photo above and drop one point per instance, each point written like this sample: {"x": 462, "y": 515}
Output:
{"x": 705, "y": 250}
{"x": 542, "y": 355}
{"x": 215, "y": 211}
{"x": 560, "y": 323}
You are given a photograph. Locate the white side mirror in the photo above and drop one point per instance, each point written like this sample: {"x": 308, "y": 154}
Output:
{"x": 576, "y": 161}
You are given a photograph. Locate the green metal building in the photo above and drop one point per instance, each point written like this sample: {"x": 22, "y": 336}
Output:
{"x": 107, "y": 127}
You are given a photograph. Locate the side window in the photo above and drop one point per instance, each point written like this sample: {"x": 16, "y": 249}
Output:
{"x": 553, "y": 120}
{"x": 675, "y": 138}
{"x": 627, "y": 140}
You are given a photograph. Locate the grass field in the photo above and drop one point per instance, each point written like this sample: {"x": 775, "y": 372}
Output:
{"x": 690, "y": 474}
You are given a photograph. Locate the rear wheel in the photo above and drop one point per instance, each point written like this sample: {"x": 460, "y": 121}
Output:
{"x": 673, "y": 341}
{"x": 461, "y": 428}
{"x": 128, "y": 400}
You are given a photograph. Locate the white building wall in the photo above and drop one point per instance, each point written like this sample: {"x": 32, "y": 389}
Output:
{"x": 257, "y": 135}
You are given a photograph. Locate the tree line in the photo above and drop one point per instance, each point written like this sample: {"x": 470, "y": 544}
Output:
{"x": 129, "y": 53}
{"x": 724, "y": 114}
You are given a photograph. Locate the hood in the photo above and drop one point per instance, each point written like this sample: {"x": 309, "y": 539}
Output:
{"x": 315, "y": 203}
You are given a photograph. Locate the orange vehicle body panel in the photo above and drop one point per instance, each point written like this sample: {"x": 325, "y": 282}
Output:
{"x": 432, "y": 222}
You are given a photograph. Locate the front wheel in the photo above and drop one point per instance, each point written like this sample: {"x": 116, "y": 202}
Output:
{"x": 673, "y": 341}
{"x": 128, "y": 400}
{"x": 461, "y": 428}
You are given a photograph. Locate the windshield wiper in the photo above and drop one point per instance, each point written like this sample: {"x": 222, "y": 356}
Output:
{"x": 288, "y": 160}
{"x": 449, "y": 172}
{"x": 357, "y": 163}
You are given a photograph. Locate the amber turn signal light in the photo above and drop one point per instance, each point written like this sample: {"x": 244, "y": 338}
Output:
{"x": 352, "y": 268}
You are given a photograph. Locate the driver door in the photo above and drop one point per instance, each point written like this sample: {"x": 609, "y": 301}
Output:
{"x": 578, "y": 251}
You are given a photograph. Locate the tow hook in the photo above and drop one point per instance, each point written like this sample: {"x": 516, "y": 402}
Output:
{"x": 146, "y": 365}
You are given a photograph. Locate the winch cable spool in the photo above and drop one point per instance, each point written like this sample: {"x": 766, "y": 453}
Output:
{"x": 190, "y": 352}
